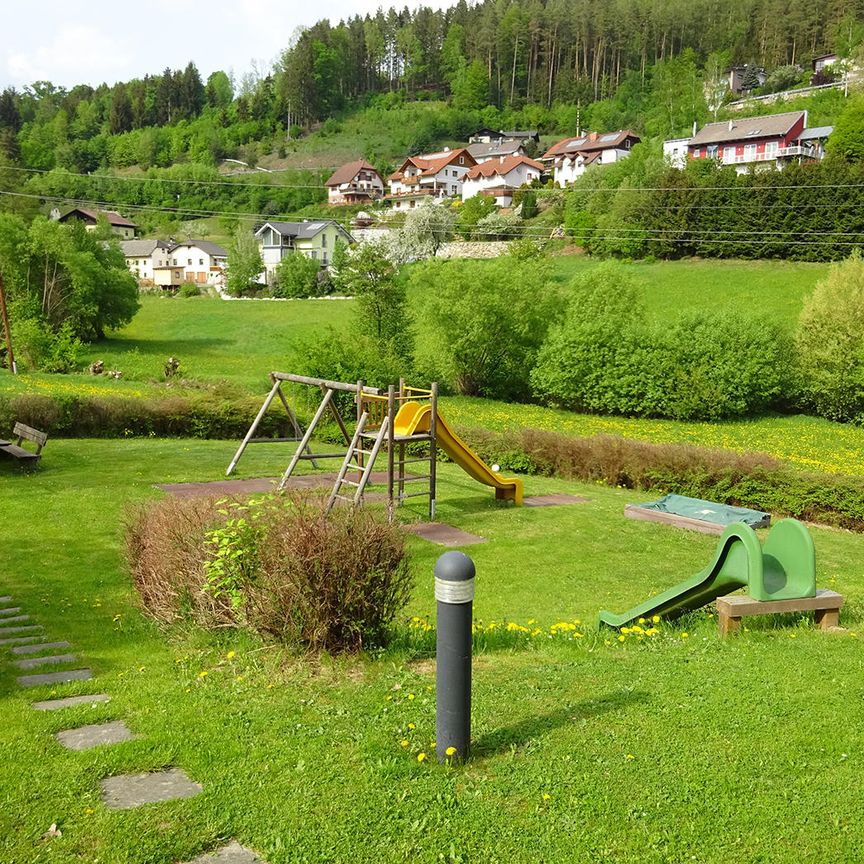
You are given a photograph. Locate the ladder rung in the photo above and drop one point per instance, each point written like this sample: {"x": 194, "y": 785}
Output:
{"x": 411, "y": 461}
{"x": 350, "y": 483}
{"x": 344, "y": 497}
{"x": 412, "y": 495}
{"x": 414, "y": 479}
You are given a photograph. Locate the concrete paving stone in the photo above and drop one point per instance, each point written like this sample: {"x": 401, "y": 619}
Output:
{"x": 20, "y": 640}
{"x": 55, "y": 677}
{"x": 85, "y": 737}
{"x": 33, "y": 662}
{"x": 10, "y": 610}
{"x": 10, "y": 631}
{"x": 5, "y": 599}
{"x": 233, "y": 853}
{"x": 443, "y": 534}
{"x": 42, "y": 646}
{"x": 126, "y": 791}
{"x": 16, "y": 619}
{"x": 71, "y": 702}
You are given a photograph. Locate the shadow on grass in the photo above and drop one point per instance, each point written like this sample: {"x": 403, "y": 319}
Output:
{"x": 148, "y": 347}
{"x": 519, "y": 734}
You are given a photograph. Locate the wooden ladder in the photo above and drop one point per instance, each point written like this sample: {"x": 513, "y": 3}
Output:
{"x": 357, "y": 451}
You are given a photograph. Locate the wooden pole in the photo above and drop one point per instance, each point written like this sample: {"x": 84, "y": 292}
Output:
{"x": 433, "y": 455}
{"x": 391, "y": 414}
{"x": 6, "y": 328}
{"x": 253, "y": 427}
{"x": 401, "y": 446}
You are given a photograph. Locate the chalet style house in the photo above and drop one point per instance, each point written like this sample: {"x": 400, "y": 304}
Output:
{"x": 438, "y": 175}
{"x": 750, "y": 142}
{"x": 168, "y": 264}
{"x": 500, "y": 178}
{"x": 315, "y": 239}
{"x": 120, "y": 225}
{"x": 355, "y": 183}
{"x": 487, "y": 144}
{"x": 571, "y": 157}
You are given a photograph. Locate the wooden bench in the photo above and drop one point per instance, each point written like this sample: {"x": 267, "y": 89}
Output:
{"x": 23, "y": 433}
{"x": 826, "y": 604}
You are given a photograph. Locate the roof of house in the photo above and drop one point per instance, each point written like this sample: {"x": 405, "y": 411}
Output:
{"x": 522, "y": 133}
{"x": 769, "y": 126}
{"x": 205, "y": 246}
{"x": 112, "y": 216}
{"x": 496, "y": 148}
{"x": 816, "y": 133}
{"x": 348, "y": 172}
{"x": 300, "y": 230}
{"x": 431, "y": 163}
{"x": 501, "y": 167}
{"x": 590, "y": 141}
{"x": 142, "y": 248}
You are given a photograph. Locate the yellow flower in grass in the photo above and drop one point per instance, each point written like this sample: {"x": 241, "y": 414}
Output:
{"x": 684, "y": 635}
{"x": 421, "y": 757}
{"x": 230, "y": 655}
{"x": 629, "y": 757}
{"x": 411, "y": 726}
{"x": 547, "y": 796}
{"x": 621, "y": 638}
{"x": 202, "y": 674}
{"x": 450, "y": 751}
{"x": 656, "y": 619}
{"x": 404, "y": 742}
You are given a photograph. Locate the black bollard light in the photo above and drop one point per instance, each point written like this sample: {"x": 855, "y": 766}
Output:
{"x": 454, "y": 593}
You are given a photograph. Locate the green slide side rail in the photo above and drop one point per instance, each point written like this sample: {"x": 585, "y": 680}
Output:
{"x": 783, "y": 570}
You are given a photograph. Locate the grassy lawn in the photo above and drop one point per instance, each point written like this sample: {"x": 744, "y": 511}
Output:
{"x": 678, "y": 748}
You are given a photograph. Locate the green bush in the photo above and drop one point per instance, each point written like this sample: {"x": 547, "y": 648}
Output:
{"x": 278, "y": 565}
{"x": 830, "y": 344}
{"x": 45, "y": 349}
{"x": 189, "y": 289}
{"x": 296, "y": 277}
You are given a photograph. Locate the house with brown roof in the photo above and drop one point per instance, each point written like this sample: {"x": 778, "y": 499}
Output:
{"x": 501, "y": 178}
{"x": 357, "y": 182}
{"x": 571, "y": 157}
{"x": 120, "y": 225}
{"x": 437, "y": 175}
{"x": 750, "y": 141}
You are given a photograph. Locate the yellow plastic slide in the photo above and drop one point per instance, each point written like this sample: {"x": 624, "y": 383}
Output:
{"x": 413, "y": 417}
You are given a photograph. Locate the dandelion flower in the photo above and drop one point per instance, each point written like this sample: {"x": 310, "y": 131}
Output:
{"x": 450, "y": 751}
{"x": 202, "y": 674}
{"x": 629, "y": 757}
{"x": 641, "y": 620}
{"x": 404, "y": 742}
{"x": 656, "y": 619}
{"x": 410, "y": 696}
{"x": 411, "y": 726}
{"x": 421, "y": 757}
{"x": 230, "y": 655}
{"x": 547, "y": 796}
{"x": 684, "y": 635}
{"x": 621, "y": 638}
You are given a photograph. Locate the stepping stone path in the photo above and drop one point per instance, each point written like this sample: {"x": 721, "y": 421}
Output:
{"x": 444, "y": 535}
{"x": 55, "y": 678}
{"x": 71, "y": 702}
{"x": 18, "y": 640}
{"x": 85, "y": 737}
{"x": 33, "y": 662}
{"x": 16, "y": 619}
{"x": 126, "y": 791}
{"x": 233, "y": 853}
{"x": 44, "y": 646}
{"x": 9, "y": 631}
{"x": 11, "y": 610}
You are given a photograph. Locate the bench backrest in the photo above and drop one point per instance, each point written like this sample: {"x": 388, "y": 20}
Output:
{"x": 22, "y": 431}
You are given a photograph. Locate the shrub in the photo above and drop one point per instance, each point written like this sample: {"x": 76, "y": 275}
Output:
{"x": 44, "y": 349}
{"x": 296, "y": 276}
{"x": 189, "y": 289}
{"x": 499, "y": 226}
{"x": 830, "y": 343}
{"x": 279, "y": 566}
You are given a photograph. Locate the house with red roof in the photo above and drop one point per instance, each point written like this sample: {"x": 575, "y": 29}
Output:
{"x": 120, "y": 225}
{"x": 357, "y": 182}
{"x": 500, "y": 178}
{"x": 571, "y": 157}
{"x": 436, "y": 175}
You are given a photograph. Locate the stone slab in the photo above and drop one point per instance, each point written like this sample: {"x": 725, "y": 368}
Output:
{"x": 126, "y": 791}
{"x": 5, "y": 599}
{"x": 443, "y": 534}
{"x": 41, "y": 646}
{"x": 55, "y": 677}
{"x": 11, "y": 631}
{"x": 55, "y": 659}
{"x": 557, "y": 499}
{"x": 71, "y": 702}
{"x": 16, "y": 618}
{"x": 20, "y": 640}
{"x": 96, "y": 735}
{"x": 233, "y": 853}
{"x": 10, "y": 610}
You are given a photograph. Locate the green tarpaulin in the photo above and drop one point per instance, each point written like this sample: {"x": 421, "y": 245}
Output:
{"x": 708, "y": 511}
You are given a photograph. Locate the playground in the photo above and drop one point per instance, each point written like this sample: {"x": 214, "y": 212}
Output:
{"x": 589, "y": 743}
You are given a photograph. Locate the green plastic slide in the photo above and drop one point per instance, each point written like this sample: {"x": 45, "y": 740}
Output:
{"x": 784, "y": 569}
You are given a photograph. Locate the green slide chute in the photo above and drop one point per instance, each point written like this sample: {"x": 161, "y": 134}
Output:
{"x": 784, "y": 569}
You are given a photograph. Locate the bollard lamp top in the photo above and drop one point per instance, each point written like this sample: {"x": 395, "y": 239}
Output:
{"x": 454, "y": 567}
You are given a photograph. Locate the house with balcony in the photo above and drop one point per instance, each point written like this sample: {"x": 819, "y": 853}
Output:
{"x": 355, "y": 183}
{"x": 315, "y": 239}
{"x": 120, "y": 225}
{"x": 500, "y": 178}
{"x": 202, "y": 262}
{"x": 571, "y": 158}
{"x": 144, "y": 257}
{"x": 752, "y": 142}
{"x": 436, "y": 175}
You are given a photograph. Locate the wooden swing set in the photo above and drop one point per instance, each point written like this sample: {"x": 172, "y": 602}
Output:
{"x": 374, "y": 431}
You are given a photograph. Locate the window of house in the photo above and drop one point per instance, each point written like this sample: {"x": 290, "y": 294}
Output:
{"x": 200, "y": 261}
{"x": 461, "y": 160}
{"x": 712, "y": 151}
{"x": 313, "y": 254}
{"x": 749, "y": 152}
{"x": 324, "y": 241}
{"x": 174, "y": 262}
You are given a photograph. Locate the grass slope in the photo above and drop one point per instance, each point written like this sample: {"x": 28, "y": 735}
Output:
{"x": 677, "y": 748}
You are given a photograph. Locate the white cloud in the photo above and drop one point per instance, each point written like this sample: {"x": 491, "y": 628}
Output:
{"x": 75, "y": 53}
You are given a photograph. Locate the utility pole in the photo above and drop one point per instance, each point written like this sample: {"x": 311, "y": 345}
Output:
{"x": 5, "y": 316}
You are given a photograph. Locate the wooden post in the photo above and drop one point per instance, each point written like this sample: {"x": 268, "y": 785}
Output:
{"x": 401, "y": 446}
{"x": 360, "y": 461}
{"x": 254, "y": 426}
{"x": 433, "y": 450}
{"x": 306, "y": 439}
{"x": 6, "y": 328}
{"x": 726, "y": 624}
{"x": 391, "y": 444}
{"x": 828, "y": 618}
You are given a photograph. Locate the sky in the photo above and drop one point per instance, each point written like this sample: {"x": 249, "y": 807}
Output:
{"x": 101, "y": 41}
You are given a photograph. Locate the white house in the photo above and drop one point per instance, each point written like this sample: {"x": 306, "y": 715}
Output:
{"x": 501, "y": 178}
{"x": 437, "y": 174}
{"x": 571, "y": 157}
{"x": 675, "y": 151}
{"x": 203, "y": 262}
{"x": 355, "y": 183}
{"x": 317, "y": 240}
{"x": 198, "y": 261}
{"x": 143, "y": 256}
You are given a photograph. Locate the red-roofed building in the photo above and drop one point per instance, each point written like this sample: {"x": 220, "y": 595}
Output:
{"x": 500, "y": 178}
{"x": 571, "y": 157}
{"x": 120, "y": 225}
{"x": 438, "y": 175}
{"x": 355, "y": 183}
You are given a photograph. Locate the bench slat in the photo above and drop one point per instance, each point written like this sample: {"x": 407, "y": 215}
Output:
{"x": 19, "y": 452}
{"x": 24, "y": 431}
